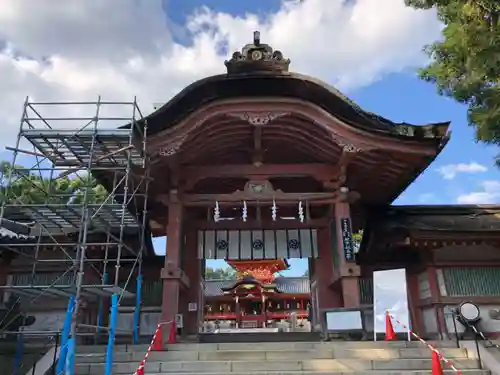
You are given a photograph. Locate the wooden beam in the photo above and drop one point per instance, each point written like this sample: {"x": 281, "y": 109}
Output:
{"x": 254, "y": 224}
{"x": 320, "y": 172}
{"x": 257, "y": 199}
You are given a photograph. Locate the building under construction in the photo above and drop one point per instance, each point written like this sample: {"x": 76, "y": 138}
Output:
{"x": 70, "y": 243}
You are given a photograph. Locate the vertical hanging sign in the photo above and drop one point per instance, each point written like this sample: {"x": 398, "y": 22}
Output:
{"x": 347, "y": 243}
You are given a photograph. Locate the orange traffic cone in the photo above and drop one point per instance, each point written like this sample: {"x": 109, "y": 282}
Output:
{"x": 436, "y": 364}
{"x": 390, "y": 335}
{"x": 172, "y": 337}
{"x": 158, "y": 342}
{"x": 140, "y": 370}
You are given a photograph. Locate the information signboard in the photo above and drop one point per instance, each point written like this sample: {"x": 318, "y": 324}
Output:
{"x": 347, "y": 242}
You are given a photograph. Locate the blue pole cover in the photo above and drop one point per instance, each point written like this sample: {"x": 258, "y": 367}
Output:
{"x": 19, "y": 354}
{"x": 111, "y": 338}
{"x": 70, "y": 358}
{"x": 137, "y": 312}
{"x": 65, "y": 336}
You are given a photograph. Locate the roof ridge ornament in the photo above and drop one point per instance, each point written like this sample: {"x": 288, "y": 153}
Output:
{"x": 257, "y": 57}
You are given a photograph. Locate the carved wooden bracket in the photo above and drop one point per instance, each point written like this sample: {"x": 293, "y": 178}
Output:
{"x": 258, "y": 118}
{"x": 351, "y": 149}
{"x": 172, "y": 147}
{"x": 348, "y": 146}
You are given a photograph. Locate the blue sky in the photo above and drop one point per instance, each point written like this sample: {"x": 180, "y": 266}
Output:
{"x": 367, "y": 48}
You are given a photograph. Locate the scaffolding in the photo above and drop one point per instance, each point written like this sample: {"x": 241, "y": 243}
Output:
{"x": 84, "y": 198}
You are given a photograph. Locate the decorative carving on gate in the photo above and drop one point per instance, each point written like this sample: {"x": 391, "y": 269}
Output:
{"x": 350, "y": 148}
{"x": 259, "y": 187}
{"x": 172, "y": 147}
{"x": 258, "y": 118}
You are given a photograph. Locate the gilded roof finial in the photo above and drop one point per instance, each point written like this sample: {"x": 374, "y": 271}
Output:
{"x": 257, "y": 57}
{"x": 256, "y": 38}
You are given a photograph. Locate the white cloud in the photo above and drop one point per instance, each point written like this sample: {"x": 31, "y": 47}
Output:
{"x": 449, "y": 171}
{"x": 78, "y": 49}
{"x": 489, "y": 193}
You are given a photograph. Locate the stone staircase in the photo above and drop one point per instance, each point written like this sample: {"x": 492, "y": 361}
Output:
{"x": 285, "y": 358}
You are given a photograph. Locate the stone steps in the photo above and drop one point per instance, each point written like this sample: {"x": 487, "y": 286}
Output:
{"x": 228, "y": 355}
{"x": 238, "y": 337}
{"x": 417, "y": 372}
{"x": 230, "y": 367}
{"x": 270, "y": 346}
{"x": 272, "y": 358}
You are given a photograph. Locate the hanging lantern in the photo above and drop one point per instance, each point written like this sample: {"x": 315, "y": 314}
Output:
{"x": 216, "y": 212}
{"x": 244, "y": 212}
{"x": 274, "y": 210}
{"x": 301, "y": 212}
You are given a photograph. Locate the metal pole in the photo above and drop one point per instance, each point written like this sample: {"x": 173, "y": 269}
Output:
{"x": 82, "y": 245}
{"x": 100, "y": 311}
{"x": 479, "y": 361}
{"x": 145, "y": 165}
{"x": 54, "y": 359}
{"x": 454, "y": 317}
{"x": 33, "y": 371}
{"x": 125, "y": 198}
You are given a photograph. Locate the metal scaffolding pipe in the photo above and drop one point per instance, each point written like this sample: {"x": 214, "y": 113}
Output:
{"x": 63, "y": 225}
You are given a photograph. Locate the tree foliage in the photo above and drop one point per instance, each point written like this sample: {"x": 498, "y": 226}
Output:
{"x": 219, "y": 273}
{"x": 356, "y": 239}
{"x": 22, "y": 186}
{"x": 465, "y": 64}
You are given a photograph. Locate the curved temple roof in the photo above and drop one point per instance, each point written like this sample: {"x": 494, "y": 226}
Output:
{"x": 258, "y": 71}
{"x": 288, "y": 285}
{"x": 197, "y": 126}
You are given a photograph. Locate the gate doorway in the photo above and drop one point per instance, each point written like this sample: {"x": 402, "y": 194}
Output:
{"x": 257, "y": 296}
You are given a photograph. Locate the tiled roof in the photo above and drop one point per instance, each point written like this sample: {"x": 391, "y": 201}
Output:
{"x": 10, "y": 230}
{"x": 4, "y": 232}
{"x": 290, "y": 285}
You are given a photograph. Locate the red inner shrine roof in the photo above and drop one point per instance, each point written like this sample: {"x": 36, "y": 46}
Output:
{"x": 262, "y": 270}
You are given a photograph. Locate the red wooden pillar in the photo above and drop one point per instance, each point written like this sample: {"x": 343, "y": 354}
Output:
{"x": 324, "y": 272}
{"x": 414, "y": 301}
{"x": 193, "y": 270}
{"x": 171, "y": 273}
{"x": 436, "y": 299}
{"x": 348, "y": 270}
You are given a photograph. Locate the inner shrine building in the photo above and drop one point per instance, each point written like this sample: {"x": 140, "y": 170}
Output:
{"x": 262, "y": 163}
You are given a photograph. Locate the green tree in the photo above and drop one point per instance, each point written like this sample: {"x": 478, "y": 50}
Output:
{"x": 30, "y": 187}
{"x": 465, "y": 64}
{"x": 219, "y": 273}
{"x": 356, "y": 239}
